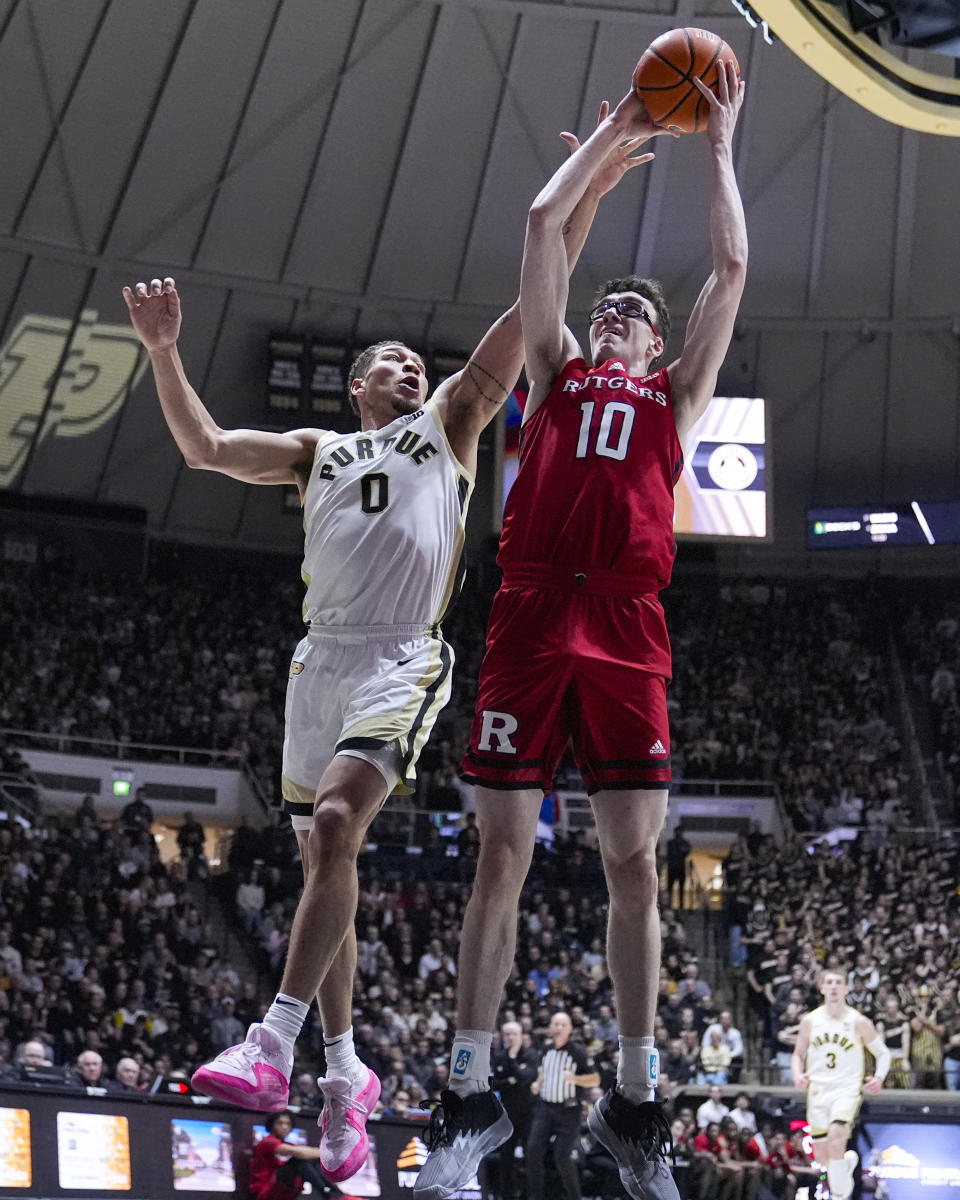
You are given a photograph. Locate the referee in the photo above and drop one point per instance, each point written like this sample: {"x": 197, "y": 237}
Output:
{"x": 563, "y": 1068}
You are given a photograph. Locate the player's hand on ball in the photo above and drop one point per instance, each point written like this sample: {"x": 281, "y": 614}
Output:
{"x": 632, "y": 118}
{"x": 620, "y": 159}
{"x": 724, "y": 107}
{"x": 154, "y": 310}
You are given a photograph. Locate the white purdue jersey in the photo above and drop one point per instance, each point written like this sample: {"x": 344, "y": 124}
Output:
{"x": 835, "y": 1053}
{"x": 384, "y": 515}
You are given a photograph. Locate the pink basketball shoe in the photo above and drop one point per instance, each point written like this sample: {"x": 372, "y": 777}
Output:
{"x": 344, "y": 1144}
{"x": 255, "y": 1074}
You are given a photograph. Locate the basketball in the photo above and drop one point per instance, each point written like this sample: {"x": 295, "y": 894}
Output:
{"x": 664, "y": 77}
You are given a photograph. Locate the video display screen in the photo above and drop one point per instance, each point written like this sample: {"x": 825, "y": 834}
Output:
{"x": 723, "y": 489}
{"x": 910, "y": 1161}
{"x": 202, "y": 1153}
{"x": 93, "y": 1151}
{"x": 15, "y": 1168}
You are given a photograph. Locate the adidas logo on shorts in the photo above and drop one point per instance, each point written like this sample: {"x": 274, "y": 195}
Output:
{"x": 658, "y": 747}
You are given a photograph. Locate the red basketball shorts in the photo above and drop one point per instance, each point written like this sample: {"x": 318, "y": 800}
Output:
{"x": 573, "y": 667}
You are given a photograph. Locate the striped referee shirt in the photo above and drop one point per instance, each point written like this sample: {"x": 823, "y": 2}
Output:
{"x": 571, "y": 1057}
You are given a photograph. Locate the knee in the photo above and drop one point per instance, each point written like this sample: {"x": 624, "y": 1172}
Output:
{"x": 501, "y": 869}
{"x": 632, "y": 878}
{"x": 336, "y": 833}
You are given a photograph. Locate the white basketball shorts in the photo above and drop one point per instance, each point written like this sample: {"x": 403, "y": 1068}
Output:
{"x": 369, "y": 692}
{"x": 828, "y": 1104}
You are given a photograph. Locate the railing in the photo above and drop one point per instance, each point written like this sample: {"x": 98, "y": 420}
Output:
{"x": 194, "y": 756}
{"x": 255, "y": 784}
{"x": 68, "y": 743}
{"x": 762, "y": 788}
{"x": 906, "y": 834}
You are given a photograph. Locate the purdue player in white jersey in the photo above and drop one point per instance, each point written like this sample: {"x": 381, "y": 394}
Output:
{"x": 828, "y": 1061}
{"x": 384, "y": 512}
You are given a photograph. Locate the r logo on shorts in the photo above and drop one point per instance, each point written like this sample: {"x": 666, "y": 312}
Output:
{"x": 498, "y": 725}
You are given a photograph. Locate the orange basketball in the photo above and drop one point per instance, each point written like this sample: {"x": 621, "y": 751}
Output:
{"x": 664, "y": 77}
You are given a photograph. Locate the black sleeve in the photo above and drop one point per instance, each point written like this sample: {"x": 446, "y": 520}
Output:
{"x": 527, "y": 1066}
{"x": 582, "y": 1062}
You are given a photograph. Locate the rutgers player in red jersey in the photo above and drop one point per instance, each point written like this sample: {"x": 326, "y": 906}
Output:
{"x": 577, "y": 648}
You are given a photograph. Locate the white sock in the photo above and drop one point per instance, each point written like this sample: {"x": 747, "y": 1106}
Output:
{"x": 470, "y": 1062}
{"x": 285, "y": 1017}
{"x": 840, "y": 1177}
{"x": 341, "y": 1056}
{"x": 639, "y": 1069}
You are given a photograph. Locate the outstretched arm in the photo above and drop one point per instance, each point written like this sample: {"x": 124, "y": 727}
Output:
{"x": 250, "y": 455}
{"x": 694, "y": 374}
{"x": 469, "y": 400}
{"x": 294, "y": 1150}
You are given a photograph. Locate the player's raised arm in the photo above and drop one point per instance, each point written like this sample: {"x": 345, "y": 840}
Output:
{"x": 469, "y": 400}
{"x": 694, "y": 374}
{"x": 798, "y": 1058}
{"x": 544, "y": 279}
{"x": 250, "y": 455}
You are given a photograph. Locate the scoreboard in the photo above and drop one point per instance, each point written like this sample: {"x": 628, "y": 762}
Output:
{"x": 307, "y": 383}
{"x": 915, "y": 523}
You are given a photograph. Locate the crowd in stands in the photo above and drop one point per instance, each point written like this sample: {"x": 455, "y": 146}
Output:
{"x": 109, "y": 971}
{"x": 888, "y": 915}
{"x": 787, "y": 682}
{"x": 108, "y": 980}
{"x": 105, "y": 952}
{"x": 149, "y": 661}
{"x": 736, "y": 1150}
{"x": 780, "y": 682}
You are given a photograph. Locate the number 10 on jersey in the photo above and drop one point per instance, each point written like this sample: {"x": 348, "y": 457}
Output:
{"x": 604, "y": 445}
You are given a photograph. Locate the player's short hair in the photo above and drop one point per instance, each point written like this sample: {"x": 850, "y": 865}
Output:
{"x": 362, "y": 364}
{"x": 838, "y": 971}
{"x": 650, "y": 289}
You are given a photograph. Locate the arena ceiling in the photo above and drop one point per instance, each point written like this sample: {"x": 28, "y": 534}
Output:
{"x": 352, "y": 169}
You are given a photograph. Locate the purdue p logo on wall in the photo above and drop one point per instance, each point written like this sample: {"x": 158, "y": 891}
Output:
{"x": 103, "y": 362}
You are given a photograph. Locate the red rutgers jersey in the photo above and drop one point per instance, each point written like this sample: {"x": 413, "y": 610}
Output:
{"x": 598, "y": 463}
{"x": 577, "y": 645}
